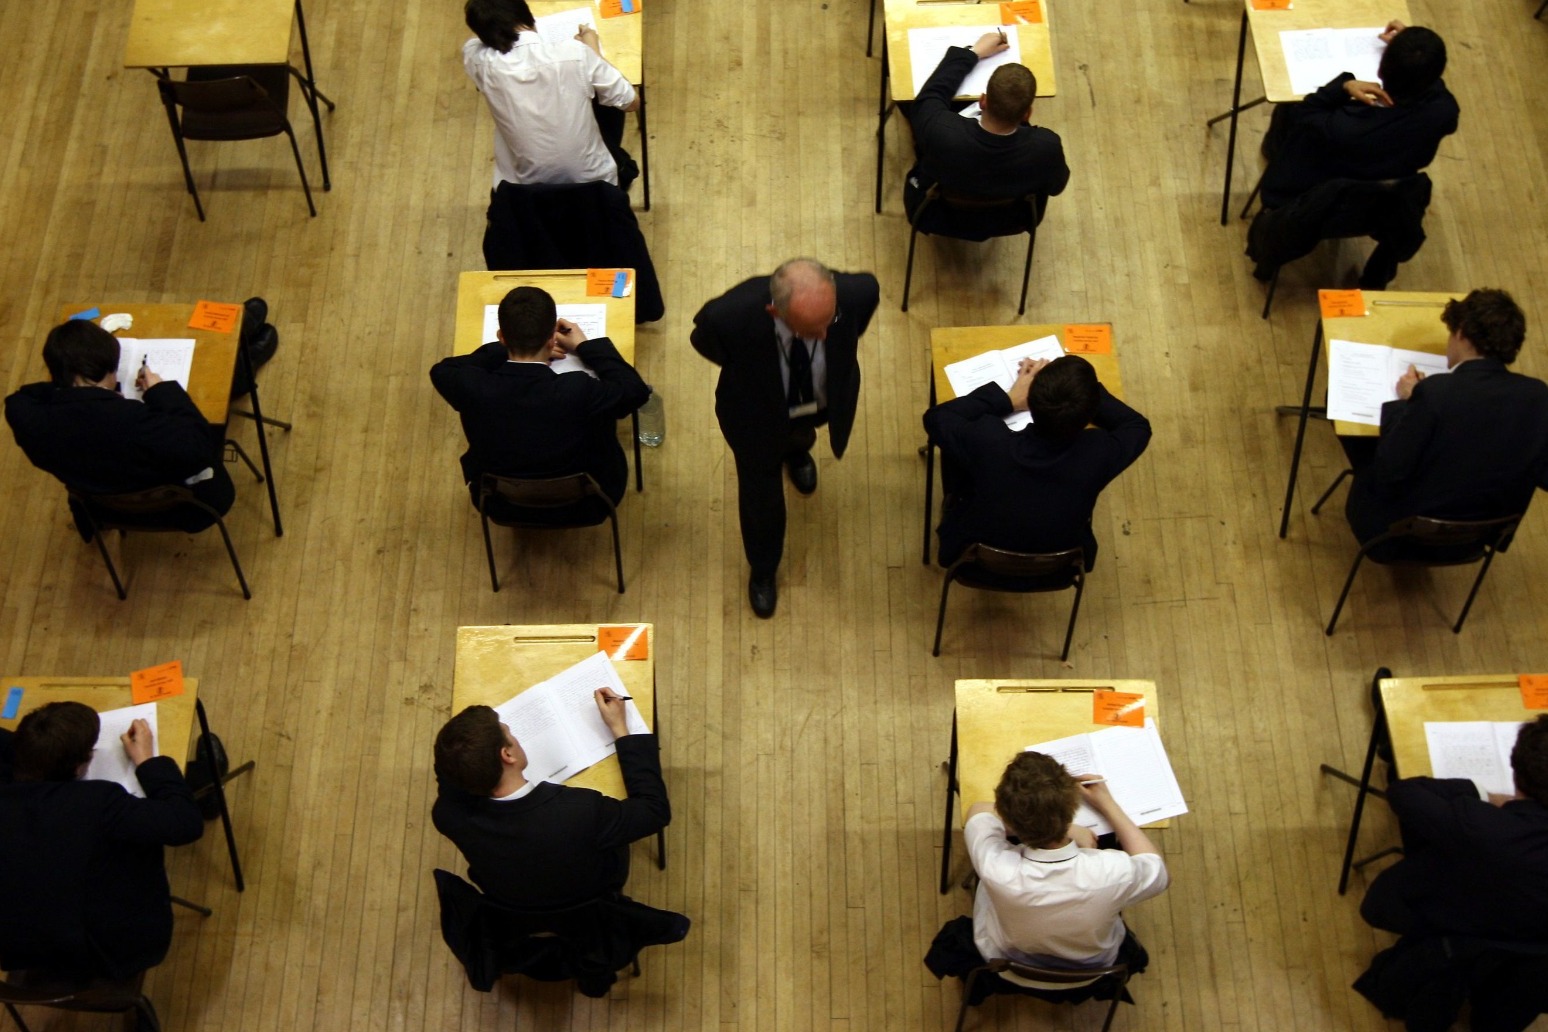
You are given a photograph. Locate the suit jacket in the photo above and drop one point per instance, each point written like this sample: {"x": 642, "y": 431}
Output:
{"x": 557, "y": 846}
{"x": 1331, "y": 136}
{"x": 522, "y": 419}
{"x": 736, "y": 333}
{"x": 81, "y": 871}
{"x": 962, "y": 155}
{"x": 1024, "y": 492}
{"x": 1470, "y": 444}
{"x": 1469, "y": 867}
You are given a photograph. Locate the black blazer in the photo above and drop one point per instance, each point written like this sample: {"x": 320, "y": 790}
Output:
{"x": 736, "y": 333}
{"x": 557, "y": 846}
{"x": 522, "y": 419}
{"x": 81, "y": 871}
{"x": 1024, "y": 492}
{"x": 1470, "y": 444}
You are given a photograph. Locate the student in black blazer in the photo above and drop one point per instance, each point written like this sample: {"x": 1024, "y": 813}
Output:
{"x": 81, "y": 868}
{"x": 80, "y": 429}
{"x": 788, "y": 350}
{"x": 533, "y": 844}
{"x": 1472, "y": 444}
{"x": 1032, "y": 490}
{"x": 523, "y": 419}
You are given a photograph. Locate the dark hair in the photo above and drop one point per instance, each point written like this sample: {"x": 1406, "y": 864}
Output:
{"x": 1037, "y": 799}
{"x": 467, "y": 751}
{"x": 1010, "y": 92}
{"x": 1064, "y": 397}
{"x": 1488, "y": 319}
{"x": 79, "y": 347}
{"x": 1529, "y": 759}
{"x": 54, "y": 740}
{"x": 1412, "y": 63}
{"x": 528, "y": 319}
{"x": 494, "y": 21}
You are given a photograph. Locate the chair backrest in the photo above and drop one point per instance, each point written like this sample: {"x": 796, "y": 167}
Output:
{"x": 215, "y": 96}
{"x": 1042, "y": 571}
{"x": 152, "y": 501}
{"x": 51, "y": 989}
{"x": 1063, "y": 978}
{"x": 539, "y": 493}
{"x": 1461, "y": 540}
{"x": 238, "y": 107}
{"x": 975, "y": 216}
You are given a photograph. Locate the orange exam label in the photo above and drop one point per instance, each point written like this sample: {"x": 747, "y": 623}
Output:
{"x": 599, "y": 282}
{"x": 158, "y": 682}
{"x": 1029, "y": 11}
{"x": 1341, "y": 304}
{"x": 1088, "y": 339}
{"x": 618, "y": 8}
{"x": 215, "y": 317}
{"x": 1124, "y": 709}
{"x": 622, "y": 643}
{"x": 1271, "y": 5}
{"x": 1534, "y": 691}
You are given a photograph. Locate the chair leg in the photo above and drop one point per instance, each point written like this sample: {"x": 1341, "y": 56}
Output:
{"x": 231, "y": 551}
{"x": 908, "y": 274}
{"x": 1026, "y": 273}
{"x": 182, "y": 153}
{"x": 145, "y": 1019}
{"x": 1477, "y": 583}
{"x": 494, "y": 578}
{"x": 309, "y": 93}
{"x": 198, "y": 908}
{"x": 1112, "y": 1011}
{"x": 296, "y": 150}
{"x": 1331, "y": 488}
{"x": 1254, "y": 195}
{"x": 617, "y": 551}
{"x": 940, "y": 618}
{"x": 16, "y": 1017}
{"x": 1543, "y": 7}
{"x": 118, "y": 585}
{"x": 278, "y": 424}
{"x": 1348, "y": 582}
{"x": 1069, "y": 633}
{"x": 1269, "y": 300}
{"x": 967, "y": 994}
{"x": 241, "y": 453}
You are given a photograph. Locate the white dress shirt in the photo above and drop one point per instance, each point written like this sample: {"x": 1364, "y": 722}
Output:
{"x": 819, "y": 357}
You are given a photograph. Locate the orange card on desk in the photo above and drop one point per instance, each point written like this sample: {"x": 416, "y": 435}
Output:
{"x": 1088, "y": 339}
{"x": 622, "y": 643}
{"x": 604, "y": 282}
{"x": 615, "y": 8}
{"x": 158, "y": 682}
{"x": 1125, "y": 709}
{"x": 1030, "y": 11}
{"x": 1534, "y": 691}
{"x": 1341, "y": 304}
{"x": 1271, "y": 5}
{"x": 215, "y": 316}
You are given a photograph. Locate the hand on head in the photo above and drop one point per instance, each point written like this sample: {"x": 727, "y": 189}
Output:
{"x": 1026, "y": 372}
{"x": 139, "y": 743}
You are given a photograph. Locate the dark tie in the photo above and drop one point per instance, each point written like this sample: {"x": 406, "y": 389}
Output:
{"x": 800, "y": 392}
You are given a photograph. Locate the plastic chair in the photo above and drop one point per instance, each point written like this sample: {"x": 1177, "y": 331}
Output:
{"x": 1428, "y": 541}
{"x": 35, "y": 988}
{"x": 107, "y": 512}
{"x": 1057, "y": 979}
{"x": 967, "y": 217}
{"x": 544, "y": 495}
{"x": 995, "y": 569}
{"x": 239, "y": 102}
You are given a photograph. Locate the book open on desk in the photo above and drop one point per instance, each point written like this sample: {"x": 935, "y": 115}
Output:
{"x": 1363, "y": 377}
{"x": 170, "y": 359}
{"x": 557, "y": 723}
{"x": 563, "y": 25}
{"x": 999, "y": 367}
{"x": 1478, "y": 750}
{"x": 591, "y": 318}
{"x": 1315, "y": 57}
{"x": 927, "y": 45}
{"x": 109, "y": 762}
{"x": 1133, "y": 763}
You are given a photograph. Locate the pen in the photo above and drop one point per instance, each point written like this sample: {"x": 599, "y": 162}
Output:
{"x": 1095, "y": 781}
{"x": 1002, "y": 35}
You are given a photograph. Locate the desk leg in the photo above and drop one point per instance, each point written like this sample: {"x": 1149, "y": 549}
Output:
{"x": 644, "y": 145}
{"x": 929, "y": 450}
{"x": 1300, "y": 432}
{"x": 263, "y": 440}
{"x": 870, "y": 30}
{"x": 306, "y": 59}
{"x": 218, "y": 786}
{"x": 639, "y": 470}
{"x": 1378, "y": 732}
{"x": 951, "y": 788}
{"x": 655, "y": 725}
{"x": 883, "y": 109}
{"x": 1236, "y": 102}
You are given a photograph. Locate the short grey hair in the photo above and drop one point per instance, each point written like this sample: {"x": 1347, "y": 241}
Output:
{"x": 782, "y": 284}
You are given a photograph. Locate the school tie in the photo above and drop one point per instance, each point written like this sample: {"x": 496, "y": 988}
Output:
{"x": 801, "y": 392}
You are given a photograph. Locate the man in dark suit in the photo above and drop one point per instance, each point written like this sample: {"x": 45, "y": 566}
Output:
{"x": 523, "y": 419}
{"x": 998, "y": 154}
{"x": 537, "y": 845}
{"x": 788, "y": 350}
{"x": 1032, "y": 490}
{"x": 80, "y": 429}
{"x": 81, "y": 868}
{"x": 1468, "y": 445}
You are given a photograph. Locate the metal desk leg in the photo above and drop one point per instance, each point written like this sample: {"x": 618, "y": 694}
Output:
{"x": 306, "y": 57}
{"x": 644, "y": 145}
{"x": 655, "y": 725}
{"x": 1236, "y": 102}
{"x": 929, "y": 453}
{"x": 883, "y": 109}
{"x": 263, "y": 439}
{"x": 1378, "y": 732}
{"x": 639, "y": 470}
{"x": 951, "y": 788}
{"x": 1300, "y": 432}
{"x": 218, "y": 786}
{"x": 870, "y": 29}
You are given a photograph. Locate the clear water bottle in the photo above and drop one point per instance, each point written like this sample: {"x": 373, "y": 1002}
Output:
{"x": 653, "y": 420}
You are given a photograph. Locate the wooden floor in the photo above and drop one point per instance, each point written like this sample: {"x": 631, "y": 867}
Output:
{"x": 803, "y": 753}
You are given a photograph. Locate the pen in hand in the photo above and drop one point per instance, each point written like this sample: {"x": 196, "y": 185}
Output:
{"x": 1094, "y": 781}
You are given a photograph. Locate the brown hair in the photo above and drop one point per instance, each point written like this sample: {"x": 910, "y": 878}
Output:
{"x": 1488, "y": 319}
{"x": 467, "y": 750}
{"x": 1010, "y": 92}
{"x": 1037, "y": 799}
{"x": 53, "y": 741}
{"x": 1529, "y": 759}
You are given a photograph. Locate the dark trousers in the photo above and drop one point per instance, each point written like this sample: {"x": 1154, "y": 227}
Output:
{"x": 610, "y": 123}
{"x": 761, "y": 494}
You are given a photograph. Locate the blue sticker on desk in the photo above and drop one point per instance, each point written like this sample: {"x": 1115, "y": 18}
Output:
{"x": 90, "y": 313}
{"x": 12, "y": 703}
{"x": 628, "y": 7}
{"x": 621, "y": 281}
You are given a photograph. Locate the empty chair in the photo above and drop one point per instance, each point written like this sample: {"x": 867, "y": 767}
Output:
{"x": 994, "y": 569}
{"x": 154, "y": 509}
{"x": 965, "y": 217}
{"x": 551, "y": 503}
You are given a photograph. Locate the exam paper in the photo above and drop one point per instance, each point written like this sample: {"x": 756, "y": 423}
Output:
{"x": 1314, "y": 57}
{"x": 927, "y": 46}
{"x": 1134, "y": 764}
{"x": 591, "y": 318}
{"x": 168, "y": 359}
{"x": 109, "y": 762}
{"x": 557, "y": 723}
{"x": 1363, "y": 377}
{"x": 562, "y": 25}
{"x": 999, "y": 367}
{"x": 1478, "y": 750}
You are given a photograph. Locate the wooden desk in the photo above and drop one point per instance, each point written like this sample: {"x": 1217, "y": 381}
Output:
{"x": 174, "y": 716}
{"x": 1401, "y": 319}
{"x": 897, "y": 69}
{"x": 995, "y": 720}
{"x": 214, "y": 358}
{"x": 497, "y": 663}
{"x": 1408, "y": 702}
{"x": 184, "y": 33}
{"x": 950, "y": 344}
{"x": 1266, "y": 27}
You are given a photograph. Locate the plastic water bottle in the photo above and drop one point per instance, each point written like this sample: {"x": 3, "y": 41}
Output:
{"x": 653, "y": 420}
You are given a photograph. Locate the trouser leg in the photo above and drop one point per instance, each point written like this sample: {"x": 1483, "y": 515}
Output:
{"x": 761, "y": 504}
{"x": 610, "y": 122}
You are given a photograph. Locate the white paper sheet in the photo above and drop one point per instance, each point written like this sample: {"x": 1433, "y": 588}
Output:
{"x": 592, "y": 319}
{"x": 1363, "y": 377}
{"x": 1478, "y": 750}
{"x": 927, "y": 46}
{"x": 1314, "y": 57}
{"x": 562, "y": 25}
{"x": 110, "y": 762}
{"x": 169, "y": 359}
{"x": 557, "y": 723}
{"x": 999, "y": 367}
{"x": 1135, "y": 766}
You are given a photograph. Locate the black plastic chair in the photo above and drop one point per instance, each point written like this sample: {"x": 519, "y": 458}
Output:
{"x": 238, "y": 102}
{"x": 539, "y": 496}
{"x": 995, "y": 569}
{"x": 1428, "y": 541}
{"x": 1056, "y": 979}
{"x": 968, "y": 217}
{"x": 136, "y": 511}
{"x": 100, "y": 996}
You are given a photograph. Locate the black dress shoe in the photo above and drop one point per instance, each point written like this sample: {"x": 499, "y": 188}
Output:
{"x": 803, "y": 472}
{"x": 763, "y": 595}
